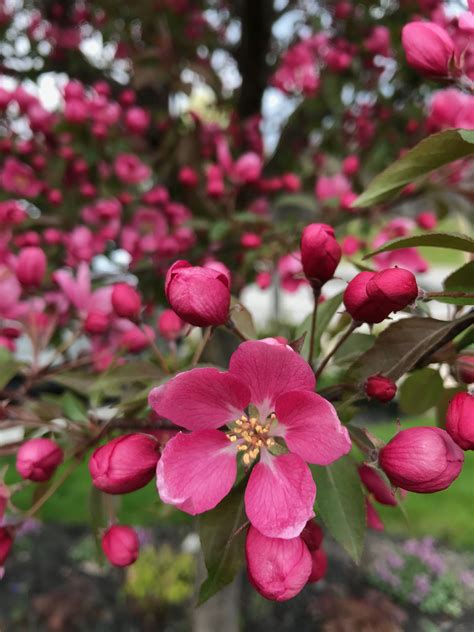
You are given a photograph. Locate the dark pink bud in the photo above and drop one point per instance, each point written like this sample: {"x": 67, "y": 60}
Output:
{"x": 350, "y": 165}
{"x": 277, "y": 568}
{"x": 372, "y": 517}
{"x": 6, "y": 543}
{"x": 170, "y": 325}
{"x": 319, "y": 566}
{"x": 120, "y": 545}
{"x": 428, "y": 48}
{"x": 375, "y": 484}
{"x": 135, "y": 340}
{"x": 200, "y": 296}
{"x": 248, "y": 168}
{"x": 460, "y": 420}
{"x": 358, "y": 303}
{"x": 126, "y": 301}
{"x": 426, "y": 220}
{"x": 31, "y": 266}
{"x": 381, "y": 388}
{"x": 188, "y": 177}
{"x": 312, "y": 535}
{"x": 250, "y": 240}
{"x": 320, "y": 253}
{"x": 125, "y": 464}
{"x": 96, "y": 322}
{"x": 37, "y": 459}
{"x": 422, "y": 460}
{"x": 394, "y": 286}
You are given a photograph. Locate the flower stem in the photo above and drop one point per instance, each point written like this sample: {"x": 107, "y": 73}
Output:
{"x": 314, "y": 318}
{"x": 353, "y": 325}
{"x": 427, "y": 296}
{"x": 206, "y": 334}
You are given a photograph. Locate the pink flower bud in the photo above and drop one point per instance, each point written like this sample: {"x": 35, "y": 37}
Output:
{"x": 426, "y": 220}
{"x": 358, "y": 303}
{"x": 319, "y": 566}
{"x": 375, "y": 484}
{"x": 372, "y": 517}
{"x": 120, "y": 545}
{"x": 137, "y": 120}
{"x": 350, "y": 165}
{"x": 188, "y": 177}
{"x": 248, "y": 168}
{"x": 381, "y": 388}
{"x": 320, "y": 253}
{"x": 96, "y": 322}
{"x": 278, "y": 569}
{"x": 37, "y": 459}
{"x": 124, "y": 464}
{"x": 422, "y": 460}
{"x": 312, "y": 535}
{"x": 126, "y": 301}
{"x": 200, "y": 296}
{"x": 135, "y": 340}
{"x": 428, "y": 48}
{"x": 395, "y": 286}
{"x": 6, "y": 543}
{"x": 170, "y": 325}
{"x": 31, "y": 266}
{"x": 460, "y": 420}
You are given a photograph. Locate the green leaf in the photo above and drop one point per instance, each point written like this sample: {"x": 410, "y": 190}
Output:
{"x": 404, "y": 345}
{"x": 340, "y": 501}
{"x": 73, "y": 407}
{"x": 8, "y": 367}
{"x": 433, "y": 152}
{"x": 222, "y": 546}
{"x": 326, "y": 311}
{"x": 242, "y": 318}
{"x": 462, "y": 280}
{"x": 420, "y": 391}
{"x": 451, "y": 241}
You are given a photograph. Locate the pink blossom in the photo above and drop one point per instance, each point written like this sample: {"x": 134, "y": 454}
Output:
{"x": 18, "y": 178}
{"x": 130, "y": 169}
{"x": 198, "y": 469}
{"x": 332, "y": 187}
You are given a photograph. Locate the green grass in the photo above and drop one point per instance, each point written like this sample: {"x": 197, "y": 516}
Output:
{"x": 447, "y": 515}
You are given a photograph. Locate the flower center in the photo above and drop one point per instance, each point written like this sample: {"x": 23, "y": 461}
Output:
{"x": 251, "y": 436}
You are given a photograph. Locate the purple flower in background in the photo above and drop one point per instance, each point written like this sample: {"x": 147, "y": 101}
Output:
{"x": 421, "y": 587}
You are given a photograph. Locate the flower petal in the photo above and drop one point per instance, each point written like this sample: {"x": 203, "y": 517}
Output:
{"x": 196, "y": 471}
{"x": 279, "y": 569}
{"x": 311, "y": 427}
{"x": 270, "y": 370}
{"x": 200, "y": 399}
{"x": 280, "y": 495}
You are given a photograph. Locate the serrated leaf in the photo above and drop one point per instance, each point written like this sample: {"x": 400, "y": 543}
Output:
{"x": 431, "y": 153}
{"x": 404, "y": 345}
{"x": 326, "y": 312}
{"x": 340, "y": 502}
{"x": 222, "y": 543}
{"x": 451, "y": 241}
{"x": 461, "y": 280}
{"x": 420, "y": 391}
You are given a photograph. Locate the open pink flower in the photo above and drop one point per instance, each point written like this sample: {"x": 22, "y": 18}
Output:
{"x": 198, "y": 469}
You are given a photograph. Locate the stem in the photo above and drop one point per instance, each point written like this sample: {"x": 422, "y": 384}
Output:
{"x": 353, "y": 325}
{"x": 316, "y": 295}
{"x": 159, "y": 356}
{"x": 429, "y": 295}
{"x": 54, "y": 487}
{"x": 200, "y": 348}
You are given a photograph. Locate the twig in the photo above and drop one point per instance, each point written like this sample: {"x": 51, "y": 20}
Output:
{"x": 354, "y": 324}
{"x": 206, "y": 334}
{"x": 316, "y": 295}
